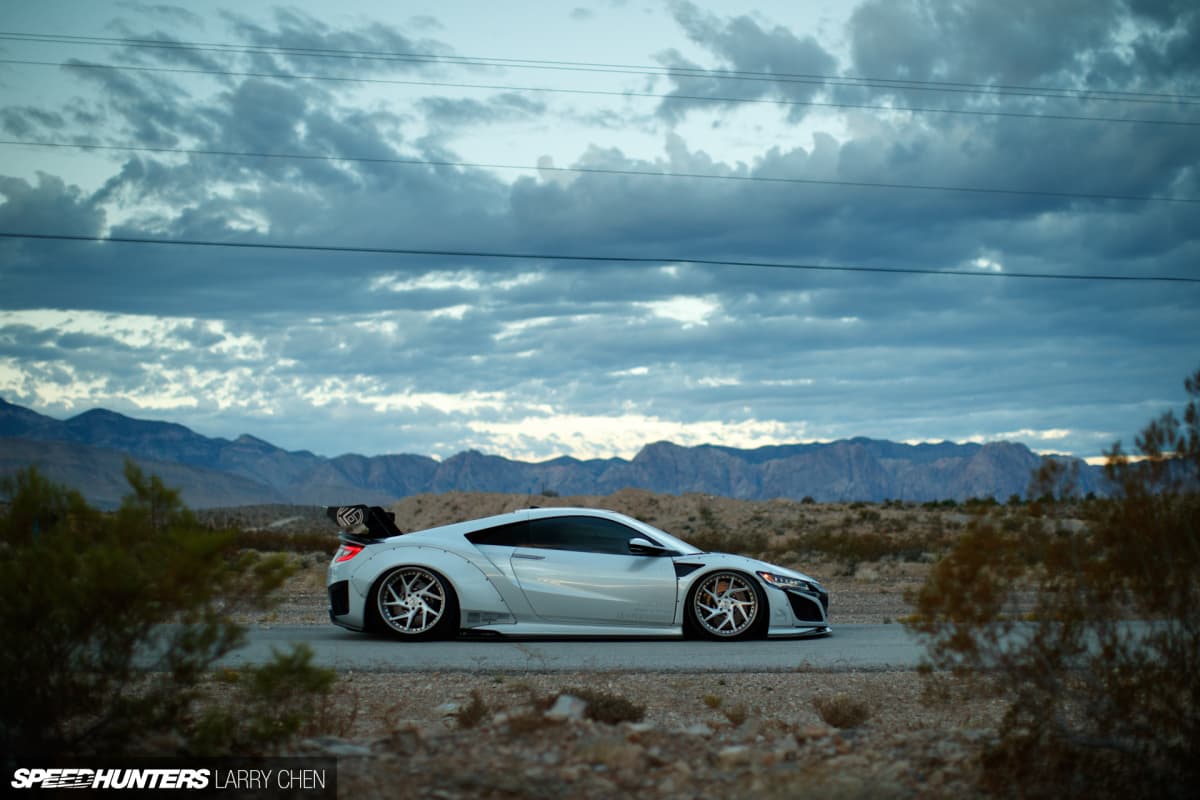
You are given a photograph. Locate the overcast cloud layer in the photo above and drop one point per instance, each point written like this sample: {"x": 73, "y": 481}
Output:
{"x": 1059, "y": 139}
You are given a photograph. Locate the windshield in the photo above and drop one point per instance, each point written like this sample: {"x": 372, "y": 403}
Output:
{"x": 666, "y": 539}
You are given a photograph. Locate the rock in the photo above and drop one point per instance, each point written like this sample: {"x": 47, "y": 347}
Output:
{"x": 636, "y": 729}
{"x": 570, "y": 773}
{"x": 338, "y": 748}
{"x": 738, "y": 755}
{"x": 814, "y": 732}
{"x": 613, "y": 753}
{"x": 567, "y": 708}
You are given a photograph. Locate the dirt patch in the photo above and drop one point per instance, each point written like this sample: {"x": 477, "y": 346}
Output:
{"x": 698, "y": 736}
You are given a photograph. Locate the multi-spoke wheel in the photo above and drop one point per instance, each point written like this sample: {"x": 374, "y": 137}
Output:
{"x": 726, "y": 605}
{"x": 416, "y": 603}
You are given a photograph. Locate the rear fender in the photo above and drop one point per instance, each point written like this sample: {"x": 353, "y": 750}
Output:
{"x": 478, "y": 601}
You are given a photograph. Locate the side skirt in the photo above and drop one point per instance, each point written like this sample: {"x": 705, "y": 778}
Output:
{"x": 552, "y": 629}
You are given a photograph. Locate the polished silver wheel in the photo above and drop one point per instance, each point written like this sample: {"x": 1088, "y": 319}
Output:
{"x": 725, "y": 605}
{"x": 413, "y": 601}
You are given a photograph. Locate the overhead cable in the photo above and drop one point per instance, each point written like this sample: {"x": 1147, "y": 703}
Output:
{"x": 579, "y": 66}
{"x": 671, "y": 97}
{"x": 616, "y": 259}
{"x": 606, "y": 171}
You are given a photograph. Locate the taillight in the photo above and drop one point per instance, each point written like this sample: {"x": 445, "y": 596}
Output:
{"x": 347, "y": 551}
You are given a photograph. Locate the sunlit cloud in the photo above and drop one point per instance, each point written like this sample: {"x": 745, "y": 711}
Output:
{"x": 622, "y": 435}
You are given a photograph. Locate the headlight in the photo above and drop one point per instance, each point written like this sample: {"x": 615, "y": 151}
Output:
{"x": 784, "y": 582}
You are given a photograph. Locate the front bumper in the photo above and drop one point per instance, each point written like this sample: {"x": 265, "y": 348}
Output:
{"x": 799, "y": 612}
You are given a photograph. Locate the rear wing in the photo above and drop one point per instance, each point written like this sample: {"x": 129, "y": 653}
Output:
{"x": 380, "y": 524}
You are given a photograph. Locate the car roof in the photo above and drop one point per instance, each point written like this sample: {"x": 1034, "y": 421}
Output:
{"x": 530, "y": 513}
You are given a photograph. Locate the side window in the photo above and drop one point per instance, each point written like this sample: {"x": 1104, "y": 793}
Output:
{"x": 514, "y": 535}
{"x": 524, "y": 534}
{"x": 583, "y": 534}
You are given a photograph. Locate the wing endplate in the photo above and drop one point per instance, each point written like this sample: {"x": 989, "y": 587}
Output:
{"x": 379, "y": 522}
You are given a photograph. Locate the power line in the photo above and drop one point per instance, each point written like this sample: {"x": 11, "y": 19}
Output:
{"x": 398, "y": 251}
{"x": 603, "y": 93}
{"x": 578, "y": 66}
{"x": 607, "y": 171}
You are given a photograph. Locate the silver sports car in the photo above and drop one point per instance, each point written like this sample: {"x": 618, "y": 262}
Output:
{"x": 557, "y": 572}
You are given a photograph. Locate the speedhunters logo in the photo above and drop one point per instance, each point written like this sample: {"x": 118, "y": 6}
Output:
{"x": 270, "y": 777}
{"x": 83, "y": 778}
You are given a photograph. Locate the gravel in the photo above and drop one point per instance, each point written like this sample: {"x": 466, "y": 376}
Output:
{"x": 698, "y": 736}
{"x": 406, "y": 734}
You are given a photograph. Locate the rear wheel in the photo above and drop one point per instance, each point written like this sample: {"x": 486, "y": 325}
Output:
{"x": 726, "y": 605}
{"x": 416, "y": 603}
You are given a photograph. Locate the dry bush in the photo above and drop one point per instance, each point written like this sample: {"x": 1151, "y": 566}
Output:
{"x": 1103, "y": 688}
{"x": 853, "y": 547}
{"x": 737, "y": 714}
{"x": 607, "y": 707}
{"x": 718, "y": 539}
{"x": 472, "y": 713}
{"x": 841, "y": 710}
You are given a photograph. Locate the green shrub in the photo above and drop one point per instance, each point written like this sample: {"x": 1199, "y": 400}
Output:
{"x": 271, "y": 704}
{"x": 1102, "y": 690}
{"x": 111, "y": 622}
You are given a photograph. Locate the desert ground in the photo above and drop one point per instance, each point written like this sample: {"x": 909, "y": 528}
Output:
{"x": 803, "y": 733}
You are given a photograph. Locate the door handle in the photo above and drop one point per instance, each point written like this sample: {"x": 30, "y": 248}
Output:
{"x": 529, "y": 556}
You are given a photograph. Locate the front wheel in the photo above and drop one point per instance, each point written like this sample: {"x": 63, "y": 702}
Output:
{"x": 416, "y": 603}
{"x": 726, "y": 605}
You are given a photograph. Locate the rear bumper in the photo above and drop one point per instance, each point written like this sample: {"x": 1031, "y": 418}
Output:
{"x": 339, "y": 606}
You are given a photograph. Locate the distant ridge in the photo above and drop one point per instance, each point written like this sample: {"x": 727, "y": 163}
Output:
{"x": 86, "y": 452}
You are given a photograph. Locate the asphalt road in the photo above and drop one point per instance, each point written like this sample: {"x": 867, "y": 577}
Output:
{"x": 849, "y": 647}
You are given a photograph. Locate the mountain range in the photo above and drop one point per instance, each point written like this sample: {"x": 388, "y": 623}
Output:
{"x": 88, "y": 451}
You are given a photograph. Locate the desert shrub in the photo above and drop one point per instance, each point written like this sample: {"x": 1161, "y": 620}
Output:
{"x": 1103, "y": 689}
{"x": 737, "y": 715}
{"x": 472, "y": 713}
{"x": 111, "y": 622}
{"x": 722, "y": 540}
{"x": 841, "y": 710}
{"x": 936, "y": 505}
{"x": 275, "y": 542}
{"x": 608, "y": 707}
{"x": 269, "y": 705}
{"x": 852, "y": 547}
{"x": 977, "y": 505}
{"x": 869, "y": 515}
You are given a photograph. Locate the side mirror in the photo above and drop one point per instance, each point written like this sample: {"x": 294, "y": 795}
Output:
{"x": 644, "y": 547}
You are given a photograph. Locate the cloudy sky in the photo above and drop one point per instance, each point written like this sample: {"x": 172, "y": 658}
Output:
{"x": 546, "y": 228}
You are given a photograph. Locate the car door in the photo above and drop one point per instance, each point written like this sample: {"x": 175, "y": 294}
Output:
{"x": 579, "y": 569}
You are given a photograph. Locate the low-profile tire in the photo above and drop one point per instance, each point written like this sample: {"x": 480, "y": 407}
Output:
{"x": 414, "y": 603}
{"x": 726, "y": 606}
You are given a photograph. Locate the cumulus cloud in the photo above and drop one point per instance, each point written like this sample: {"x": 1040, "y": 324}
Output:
{"x": 384, "y": 352}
